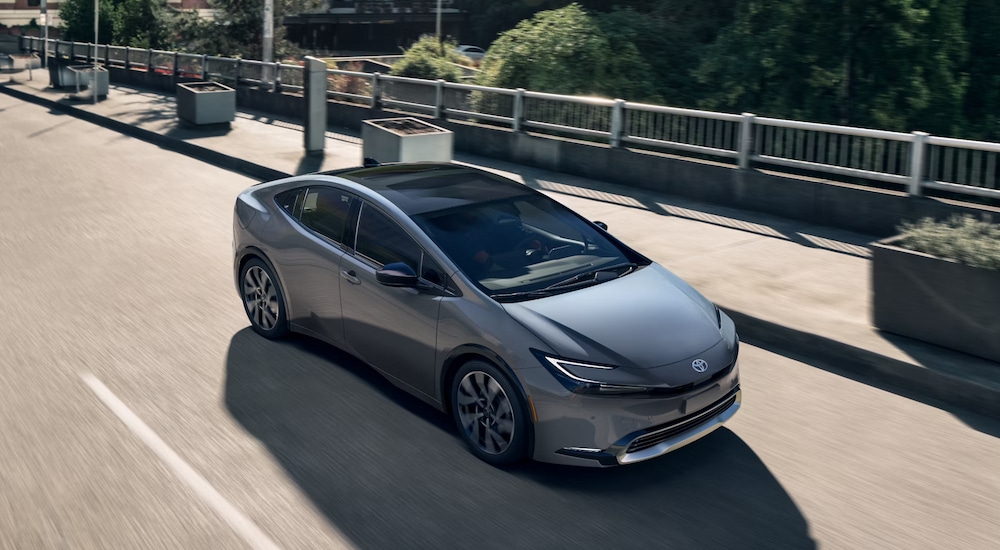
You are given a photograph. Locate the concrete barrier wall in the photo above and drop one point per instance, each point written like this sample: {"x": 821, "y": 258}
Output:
{"x": 867, "y": 210}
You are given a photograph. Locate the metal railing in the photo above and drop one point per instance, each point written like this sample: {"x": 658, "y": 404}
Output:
{"x": 914, "y": 161}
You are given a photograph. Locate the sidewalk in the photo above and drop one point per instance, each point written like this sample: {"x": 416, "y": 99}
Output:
{"x": 790, "y": 286}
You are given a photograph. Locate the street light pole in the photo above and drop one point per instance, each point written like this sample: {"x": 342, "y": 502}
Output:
{"x": 93, "y": 76}
{"x": 268, "y": 52}
{"x": 45, "y": 34}
{"x": 439, "y": 21}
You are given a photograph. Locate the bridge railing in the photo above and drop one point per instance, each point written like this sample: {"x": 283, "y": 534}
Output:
{"x": 911, "y": 161}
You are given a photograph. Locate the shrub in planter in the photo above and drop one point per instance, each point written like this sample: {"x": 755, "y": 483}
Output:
{"x": 962, "y": 238}
{"x": 940, "y": 283}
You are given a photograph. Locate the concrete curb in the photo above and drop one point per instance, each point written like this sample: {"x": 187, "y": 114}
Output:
{"x": 838, "y": 356}
{"x": 868, "y": 365}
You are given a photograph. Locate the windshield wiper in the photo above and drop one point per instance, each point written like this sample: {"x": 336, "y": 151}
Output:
{"x": 525, "y": 294}
{"x": 594, "y": 276}
{"x": 580, "y": 279}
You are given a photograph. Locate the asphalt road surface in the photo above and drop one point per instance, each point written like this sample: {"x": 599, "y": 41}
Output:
{"x": 138, "y": 410}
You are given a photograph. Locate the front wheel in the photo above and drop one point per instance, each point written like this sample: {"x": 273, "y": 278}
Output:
{"x": 262, "y": 300}
{"x": 489, "y": 413}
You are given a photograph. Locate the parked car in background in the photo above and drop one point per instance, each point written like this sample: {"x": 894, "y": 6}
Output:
{"x": 542, "y": 334}
{"x": 474, "y": 53}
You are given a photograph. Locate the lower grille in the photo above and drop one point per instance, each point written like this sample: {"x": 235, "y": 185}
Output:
{"x": 660, "y": 434}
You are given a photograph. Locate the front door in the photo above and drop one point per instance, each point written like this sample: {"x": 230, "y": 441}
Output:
{"x": 393, "y": 328}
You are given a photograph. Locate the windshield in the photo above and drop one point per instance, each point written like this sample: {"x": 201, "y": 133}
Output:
{"x": 522, "y": 244}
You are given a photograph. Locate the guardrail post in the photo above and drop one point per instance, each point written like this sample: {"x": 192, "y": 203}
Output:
{"x": 239, "y": 65}
{"x": 438, "y": 98}
{"x": 314, "y": 89}
{"x": 617, "y": 122}
{"x": 745, "y": 146}
{"x": 89, "y": 47}
{"x": 518, "y": 114}
{"x": 376, "y": 90}
{"x": 107, "y": 55}
{"x": 149, "y": 60}
{"x": 277, "y": 78}
{"x": 128, "y": 58}
{"x": 919, "y": 146}
{"x": 177, "y": 70}
{"x": 204, "y": 67}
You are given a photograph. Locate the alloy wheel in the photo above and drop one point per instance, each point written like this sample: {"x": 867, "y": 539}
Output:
{"x": 485, "y": 412}
{"x": 260, "y": 298}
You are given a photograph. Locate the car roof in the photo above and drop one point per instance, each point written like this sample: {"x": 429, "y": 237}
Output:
{"x": 425, "y": 187}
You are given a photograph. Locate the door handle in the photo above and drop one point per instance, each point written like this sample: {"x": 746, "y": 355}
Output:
{"x": 351, "y": 277}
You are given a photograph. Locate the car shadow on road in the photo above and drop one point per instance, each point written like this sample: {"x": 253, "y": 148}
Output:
{"x": 389, "y": 471}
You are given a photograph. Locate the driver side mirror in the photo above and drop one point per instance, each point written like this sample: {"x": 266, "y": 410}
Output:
{"x": 397, "y": 274}
{"x": 602, "y": 225}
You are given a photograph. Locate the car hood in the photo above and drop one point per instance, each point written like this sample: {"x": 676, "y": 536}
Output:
{"x": 646, "y": 319}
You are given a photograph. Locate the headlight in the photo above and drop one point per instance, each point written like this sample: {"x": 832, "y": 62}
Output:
{"x": 580, "y": 377}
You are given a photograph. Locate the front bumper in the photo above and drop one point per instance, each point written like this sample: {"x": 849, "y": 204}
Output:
{"x": 601, "y": 431}
{"x": 660, "y": 440}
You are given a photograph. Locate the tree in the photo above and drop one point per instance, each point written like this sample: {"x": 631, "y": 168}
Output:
{"x": 136, "y": 23}
{"x": 567, "y": 51}
{"x": 77, "y": 18}
{"x": 238, "y": 29}
{"x": 671, "y": 37}
{"x": 141, "y": 24}
{"x": 982, "y": 100}
{"x": 891, "y": 64}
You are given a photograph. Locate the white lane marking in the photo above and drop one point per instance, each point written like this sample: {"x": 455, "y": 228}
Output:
{"x": 240, "y": 523}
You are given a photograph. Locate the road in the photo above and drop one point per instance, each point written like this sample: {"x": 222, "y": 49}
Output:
{"x": 115, "y": 273}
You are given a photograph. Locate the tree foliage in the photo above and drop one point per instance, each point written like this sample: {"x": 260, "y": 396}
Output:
{"x": 238, "y": 29}
{"x": 892, "y": 64}
{"x": 141, "y": 24}
{"x": 136, "y": 23}
{"x": 567, "y": 51}
{"x": 77, "y": 20}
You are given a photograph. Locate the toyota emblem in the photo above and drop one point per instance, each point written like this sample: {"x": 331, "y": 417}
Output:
{"x": 699, "y": 365}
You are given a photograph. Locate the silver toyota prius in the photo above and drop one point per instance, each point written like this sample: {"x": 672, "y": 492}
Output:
{"x": 538, "y": 331}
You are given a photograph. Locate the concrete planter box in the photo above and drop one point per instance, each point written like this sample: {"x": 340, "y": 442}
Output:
{"x": 938, "y": 301}
{"x": 59, "y": 74}
{"x": 94, "y": 79}
{"x": 405, "y": 140}
{"x": 206, "y": 103}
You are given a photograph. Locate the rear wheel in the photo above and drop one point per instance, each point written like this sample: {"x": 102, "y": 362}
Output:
{"x": 489, "y": 413}
{"x": 262, "y": 300}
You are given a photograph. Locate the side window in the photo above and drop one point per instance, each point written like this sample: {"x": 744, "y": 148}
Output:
{"x": 325, "y": 210}
{"x": 382, "y": 241}
{"x": 290, "y": 201}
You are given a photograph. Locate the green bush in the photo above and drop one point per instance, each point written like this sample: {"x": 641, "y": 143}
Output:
{"x": 962, "y": 238}
{"x": 570, "y": 51}
{"x": 429, "y": 59}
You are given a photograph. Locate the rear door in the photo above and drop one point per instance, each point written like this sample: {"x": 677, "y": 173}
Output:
{"x": 311, "y": 261}
{"x": 392, "y": 328}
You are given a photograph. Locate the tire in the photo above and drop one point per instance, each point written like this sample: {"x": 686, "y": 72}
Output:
{"x": 262, "y": 299}
{"x": 490, "y": 413}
